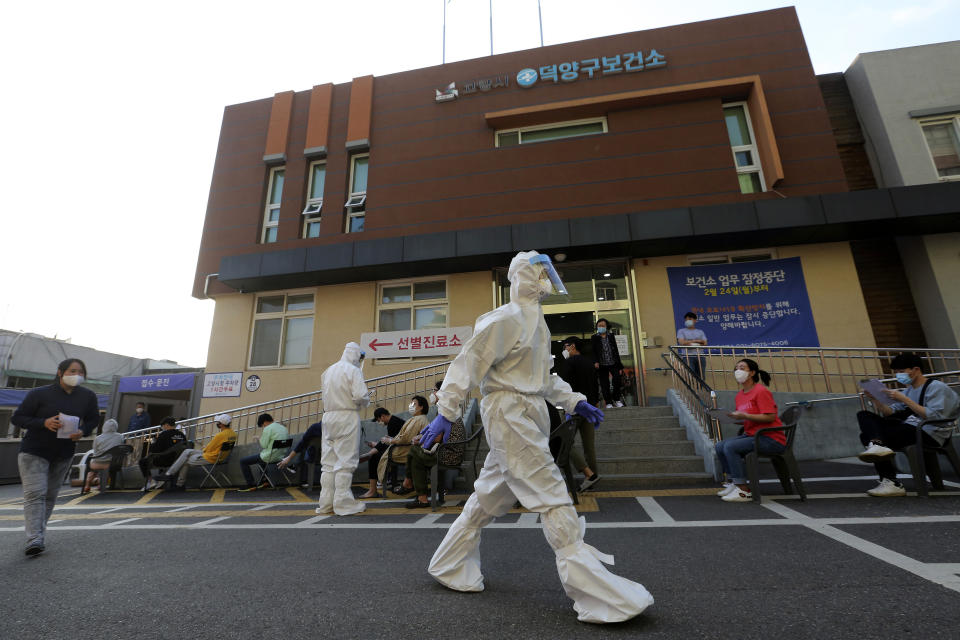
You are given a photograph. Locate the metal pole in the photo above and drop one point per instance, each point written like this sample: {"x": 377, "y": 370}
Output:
{"x": 540, "y": 15}
{"x": 491, "y": 27}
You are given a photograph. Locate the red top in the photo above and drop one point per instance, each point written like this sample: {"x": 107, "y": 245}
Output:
{"x": 760, "y": 400}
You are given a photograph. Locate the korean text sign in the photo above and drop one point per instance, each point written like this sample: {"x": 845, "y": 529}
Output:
{"x": 416, "y": 343}
{"x": 222, "y": 385}
{"x": 756, "y": 304}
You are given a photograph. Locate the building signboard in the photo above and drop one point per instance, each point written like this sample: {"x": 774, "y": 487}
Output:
{"x": 158, "y": 382}
{"x": 417, "y": 343}
{"x": 747, "y": 304}
{"x": 222, "y": 385}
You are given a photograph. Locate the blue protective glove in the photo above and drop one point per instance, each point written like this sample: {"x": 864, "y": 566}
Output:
{"x": 589, "y": 412}
{"x": 440, "y": 425}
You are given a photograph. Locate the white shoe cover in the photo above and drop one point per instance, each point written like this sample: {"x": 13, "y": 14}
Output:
{"x": 344, "y": 504}
{"x": 456, "y": 562}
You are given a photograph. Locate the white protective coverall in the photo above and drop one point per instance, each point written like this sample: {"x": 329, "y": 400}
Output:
{"x": 344, "y": 393}
{"x": 509, "y": 356}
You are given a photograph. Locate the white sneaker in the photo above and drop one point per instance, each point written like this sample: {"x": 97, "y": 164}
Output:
{"x": 617, "y": 404}
{"x": 609, "y": 406}
{"x": 887, "y": 489}
{"x": 738, "y": 495}
{"x": 875, "y": 452}
{"x": 727, "y": 488}
{"x": 589, "y": 482}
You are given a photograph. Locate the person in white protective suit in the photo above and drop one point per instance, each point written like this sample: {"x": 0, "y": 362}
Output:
{"x": 344, "y": 394}
{"x": 509, "y": 356}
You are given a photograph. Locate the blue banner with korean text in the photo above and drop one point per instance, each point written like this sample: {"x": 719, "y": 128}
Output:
{"x": 749, "y": 304}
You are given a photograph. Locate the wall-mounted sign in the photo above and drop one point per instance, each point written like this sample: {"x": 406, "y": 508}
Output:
{"x": 418, "y": 343}
{"x": 154, "y": 383}
{"x": 601, "y": 66}
{"x": 252, "y": 383}
{"x": 222, "y": 385}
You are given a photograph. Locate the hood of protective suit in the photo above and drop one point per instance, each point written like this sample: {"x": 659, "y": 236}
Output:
{"x": 524, "y": 278}
{"x": 351, "y": 354}
{"x": 110, "y": 426}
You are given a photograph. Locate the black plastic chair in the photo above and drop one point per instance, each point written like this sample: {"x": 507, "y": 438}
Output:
{"x": 468, "y": 465}
{"x": 784, "y": 462}
{"x": 118, "y": 455}
{"x": 561, "y": 441}
{"x": 317, "y": 445}
{"x": 265, "y": 466}
{"x": 929, "y": 463}
{"x": 211, "y": 469}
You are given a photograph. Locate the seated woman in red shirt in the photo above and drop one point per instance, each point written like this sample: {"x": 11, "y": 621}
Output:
{"x": 755, "y": 406}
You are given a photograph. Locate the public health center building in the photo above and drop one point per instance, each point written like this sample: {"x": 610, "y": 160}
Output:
{"x": 702, "y": 166}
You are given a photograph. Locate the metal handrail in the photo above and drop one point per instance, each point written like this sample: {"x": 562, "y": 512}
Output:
{"x": 693, "y": 398}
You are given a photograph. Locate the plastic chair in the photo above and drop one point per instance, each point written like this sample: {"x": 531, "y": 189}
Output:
{"x": 561, "y": 440}
{"x": 211, "y": 468}
{"x": 117, "y": 456}
{"x": 80, "y": 463}
{"x": 784, "y": 462}
{"x": 265, "y": 466}
{"x": 317, "y": 445}
{"x": 929, "y": 462}
{"x": 469, "y": 467}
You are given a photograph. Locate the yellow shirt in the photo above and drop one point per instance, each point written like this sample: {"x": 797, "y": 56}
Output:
{"x": 211, "y": 452}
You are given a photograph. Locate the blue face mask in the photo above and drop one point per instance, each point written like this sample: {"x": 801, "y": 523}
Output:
{"x": 903, "y": 378}
{"x": 601, "y": 330}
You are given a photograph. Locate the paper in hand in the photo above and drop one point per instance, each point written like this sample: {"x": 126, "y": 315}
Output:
{"x": 71, "y": 425}
{"x": 876, "y": 389}
{"x": 720, "y": 415}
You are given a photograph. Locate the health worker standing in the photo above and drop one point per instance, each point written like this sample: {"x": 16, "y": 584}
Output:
{"x": 344, "y": 394}
{"x": 509, "y": 357}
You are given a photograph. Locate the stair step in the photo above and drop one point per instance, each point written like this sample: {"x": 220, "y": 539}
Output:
{"x": 641, "y": 449}
{"x": 605, "y": 435}
{"x": 640, "y": 411}
{"x": 651, "y": 464}
{"x": 619, "y": 422}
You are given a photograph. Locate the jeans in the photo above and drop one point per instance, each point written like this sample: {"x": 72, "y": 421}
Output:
{"x": 246, "y": 463}
{"x": 731, "y": 452}
{"x": 41, "y": 481}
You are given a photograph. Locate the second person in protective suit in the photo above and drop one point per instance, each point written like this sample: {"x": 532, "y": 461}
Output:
{"x": 509, "y": 357}
{"x": 344, "y": 394}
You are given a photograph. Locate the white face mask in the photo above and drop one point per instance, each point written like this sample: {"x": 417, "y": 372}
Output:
{"x": 544, "y": 288}
{"x": 413, "y": 407}
{"x": 566, "y": 354}
{"x": 741, "y": 375}
{"x": 139, "y": 409}
{"x": 433, "y": 398}
{"x": 688, "y": 324}
{"x": 72, "y": 381}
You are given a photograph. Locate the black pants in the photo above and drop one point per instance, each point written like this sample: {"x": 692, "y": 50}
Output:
{"x": 893, "y": 433}
{"x": 162, "y": 459}
{"x": 374, "y": 460}
{"x": 603, "y": 375}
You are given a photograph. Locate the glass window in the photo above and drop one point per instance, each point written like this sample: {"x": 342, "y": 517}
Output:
{"x": 943, "y": 141}
{"x": 271, "y": 211}
{"x": 430, "y": 290}
{"x": 750, "y": 183}
{"x": 404, "y": 306}
{"x": 543, "y": 133}
{"x": 356, "y": 205}
{"x": 317, "y": 177}
{"x": 745, "y": 158}
{"x": 395, "y": 294}
{"x": 431, "y": 318}
{"x": 737, "y": 128}
{"x": 394, "y": 319}
{"x": 314, "y": 204}
{"x": 282, "y": 330}
{"x": 360, "y": 174}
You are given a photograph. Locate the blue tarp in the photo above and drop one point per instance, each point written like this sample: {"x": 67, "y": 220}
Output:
{"x": 13, "y": 398}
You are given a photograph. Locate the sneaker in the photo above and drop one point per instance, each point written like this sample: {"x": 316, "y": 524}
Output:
{"x": 416, "y": 504}
{"x": 727, "y": 488}
{"x": 34, "y": 549}
{"x": 875, "y": 452}
{"x": 247, "y": 489}
{"x": 738, "y": 495}
{"x": 617, "y": 404}
{"x": 290, "y": 469}
{"x": 609, "y": 406}
{"x": 887, "y": 489}
{"x": 589, "y": 482}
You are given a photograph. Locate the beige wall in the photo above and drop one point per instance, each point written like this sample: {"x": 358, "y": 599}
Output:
{"x": 839, "y": 311}
{"x": 341, "y": 314}
{"x": 943, "y": 251}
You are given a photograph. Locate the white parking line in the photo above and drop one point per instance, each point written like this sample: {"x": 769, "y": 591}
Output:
{"x": 209, "y": 522}
{"x": 112, "y": 509}
{"x": 654, "y": 510}
{"x": 310, "y": 521}
{"x": 428, "y": 520}
{"x": 261, "y": 507}
{"x": 179, "y": 509}
{"x": 113, "y": 524}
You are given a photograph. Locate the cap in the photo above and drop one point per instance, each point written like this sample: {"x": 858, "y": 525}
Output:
{"x": 223, "y": 418}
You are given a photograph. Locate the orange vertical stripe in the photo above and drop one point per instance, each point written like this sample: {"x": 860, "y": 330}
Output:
{"x": 318, "y": 120}
{"x": 278, "y": 131}
{"x": 361, "y": 108}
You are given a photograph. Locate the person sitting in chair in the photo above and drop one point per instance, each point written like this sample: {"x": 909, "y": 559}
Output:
{"x": 896, "y": 426}
{"x": 197, "y": 458}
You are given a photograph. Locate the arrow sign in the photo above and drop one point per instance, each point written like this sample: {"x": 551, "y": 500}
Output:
{"x": 374, "y": 344}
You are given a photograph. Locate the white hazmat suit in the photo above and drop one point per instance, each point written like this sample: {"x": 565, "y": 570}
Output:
{"x": 344, "y": 394}
{"x": 509, "y": 357}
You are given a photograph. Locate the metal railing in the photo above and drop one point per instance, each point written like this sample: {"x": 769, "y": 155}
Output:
{"x": 695, "y": 393}
{"x": 809, "y": 369}
{"x": 297, "y": 413}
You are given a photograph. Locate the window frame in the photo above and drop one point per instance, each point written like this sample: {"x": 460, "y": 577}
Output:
{"x": 553, "y": 125}
{"x": 356, "y": 204}
{"x": 316, "y": 204}
{"x": 706, "y": 259}
{"x": 756, "y": 166}
{"x": 283, "y": 315}
{"x": 953, "y": 119}
{"x": 269, "y": 207}
{"x": 412, "y": 304}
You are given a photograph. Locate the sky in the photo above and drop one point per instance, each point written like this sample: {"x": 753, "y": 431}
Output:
{"x": 110, "y": 115}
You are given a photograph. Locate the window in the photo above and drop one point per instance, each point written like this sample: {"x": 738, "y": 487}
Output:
{"x": 282, "y": 330}
{"x": 737, "y": 256}
{"x": 356, "y": 204}
{"x": 311, "y": 212}
{"x": 556, "y": 131}
{"x": 402, "y": 306}
{"x": 744, "y": 147}
{"x": 943, "y": 140}
{"x": 271, "y": 213}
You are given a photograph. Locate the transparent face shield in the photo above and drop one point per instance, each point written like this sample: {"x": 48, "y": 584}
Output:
{"x": 551, "y": 273}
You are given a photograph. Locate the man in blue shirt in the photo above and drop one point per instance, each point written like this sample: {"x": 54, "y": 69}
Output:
{"x": 140, "y": 419}
{"x": 45, "y": 453}
{"x": 690, "y": 336}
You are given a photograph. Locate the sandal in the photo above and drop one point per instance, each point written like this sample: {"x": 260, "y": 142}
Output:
{"x": 401, "y": 491}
